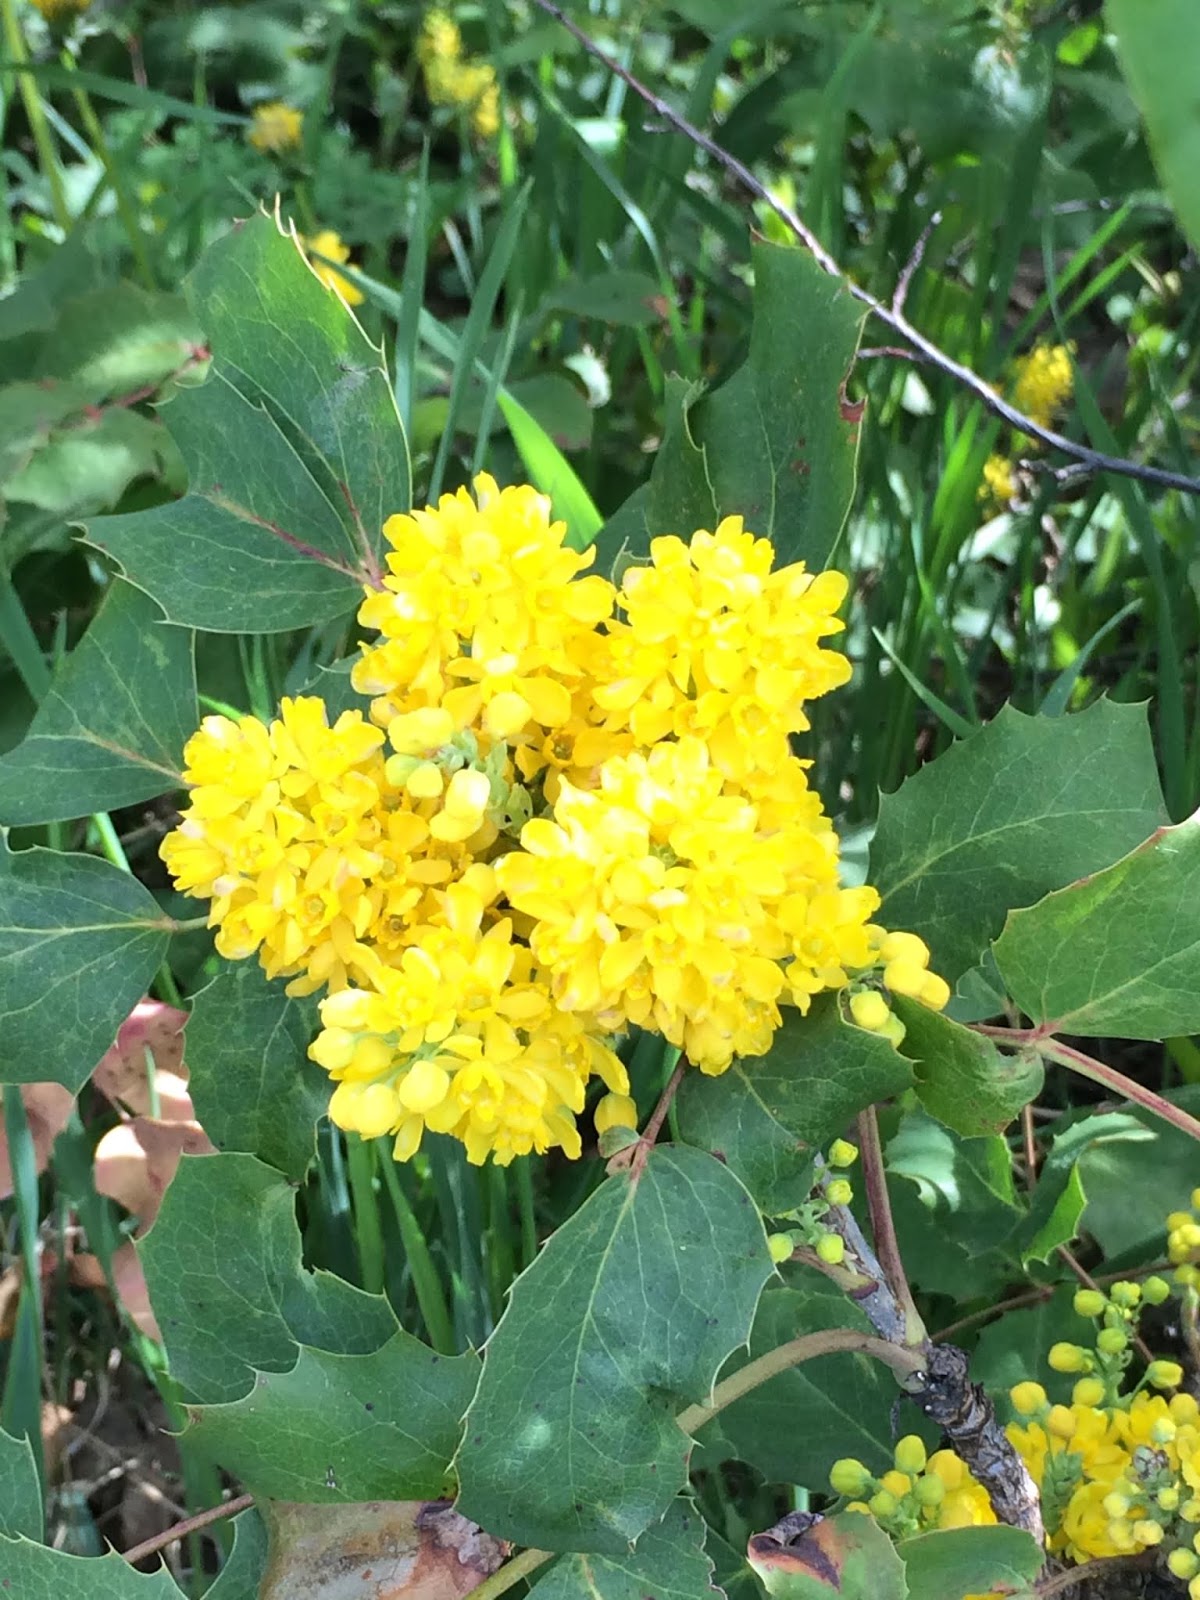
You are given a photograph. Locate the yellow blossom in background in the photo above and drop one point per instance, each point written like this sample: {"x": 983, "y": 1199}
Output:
{"x": 56, "y": 11}
{"x": 999, "y": 481}
{"x": 275, "y": 127}
{"x": 452, "y": 79}
{"x": 328, "y": 243}
{"x": 1043, "y": 382}
{"x": 574, "y": 810}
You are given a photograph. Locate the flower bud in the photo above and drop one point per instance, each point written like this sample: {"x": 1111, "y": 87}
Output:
{"x": 896, "y": 1483}
{"x": 1088, "y": 1392}
{"x": 882, "y": 1504}
{"x": 909, "y": 1455}
{"x": 869, "y": 1010}
{"x": 831, "y": 1249}
{"x": 1061, "y": 1422}
{"x": 929, "y": 1491}
{"x": 893, "y": 1031}
{"x": 1183, "y": 1563}
{"x": 425, "y": 782}
{"x": 1167, "y": 1498}
{"x": 901, "y": 946}
{"x": 780, "y": 1245}
{"x": 620, "y": 1111}
{"x": 904, "y": 977}
{"x": 1156, "y": 1290}
{"x": 934, "y": 992}
{"x": 1126, "y": 1295}
{"x": 842, "y": 1153}
{"x": 849, "y": 1477}
{"x": 1147, "y": 1532}
{"x": 1089, "y": 1303}
{"x": 1112, "y": 1341}
{"x": 1066, "y": 1357}
{"x": 1028, "y": 1398}
{"x": 1164, "y": 1374}
{"x": 838, "y": 1192}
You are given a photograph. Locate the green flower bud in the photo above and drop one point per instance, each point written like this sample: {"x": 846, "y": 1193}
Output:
{"x": 1156, "y": 1290}
{"x": 780, "y": 1245}
{"x": 839, "y": 1192}
{"x": 909, "y": 1455}
{"x": 1089, "y": 1303}
{"x": 1065, "y": 1357}
{"x": 929, "y": 1490}
{"x": 849, "y": 1477}
{"x": 882, "y": 1504}
{"x": 1125, "y": 1294}
{"x": 1164, "y": 1374}
{"x": 1184, "y": 1564}
{"x": 842, "y": 1153}
{"x": 1028, "y": 1398}
{"x": 831, "y": 1249}
{"x": 1112, "y": 1341}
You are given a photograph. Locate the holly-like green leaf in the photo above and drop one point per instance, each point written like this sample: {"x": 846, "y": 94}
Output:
{"x": 112, "y": 727}
{"x": 79, "y": 943}
{"x": 35, "y": 1572}
{"x": 629, "y": 299}
{"x": 777, "y": 443}
{"x": 294, "y": 450}
{"x": 118, "y": 341}
{"x": 1158, "y": 41}
{"x": 961, "y": 1078}
{"x": 242, "y": 1575}
{"x": 848, "y": 1556}
{"x": 768, "y": 1115}
{"x": 223, "y": 1267}
{"x": 953, "y": 1562}
{"x": 1124, "y": 1212}
{"x": 1051, "y": 1227}
{"x": 85, "y": 467}
{"x": 1118, "y": 953}
{"x": 339, "y": 1428}
{"x": 253, "y": 1086}
{"x": 1023, "y": 807}
{"x": 20, "y": 1490}
{"x": 624, "y": 1318}
{"x": 836, "y": 1405}
{"x": 667, "y": 1563}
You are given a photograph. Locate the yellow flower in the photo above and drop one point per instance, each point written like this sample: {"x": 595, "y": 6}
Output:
{"x": 451, "y": 80}
{"x": 715, "y": 644}
{"x": 275, "y": 127}
{"x": 999, "y": 481}
{"x": 56, "y": 11}
{"x": 328, "y": 243}
{"x": 1043, "y": 382}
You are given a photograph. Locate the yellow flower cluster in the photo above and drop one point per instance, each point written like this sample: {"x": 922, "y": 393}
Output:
{"x": 1183, "y": 1246}
{"x": 918, "y": 1494}
{"x": 328, "y": 243}
{"x": 1043, "y": 382}
{"x": 60, "y": 11}
{"x": 275, "y": 127}
{"x": 452, "y": 79}
{"x": 574, "y": 810}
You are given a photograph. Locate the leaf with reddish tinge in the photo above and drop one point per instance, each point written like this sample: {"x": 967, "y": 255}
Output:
{"x": 121, "y": 1075}
{"x": 376, "y": 1550}
{"x": 807, "y": 1558}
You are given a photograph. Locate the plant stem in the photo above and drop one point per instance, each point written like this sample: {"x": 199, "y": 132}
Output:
{"x": 887, "y": 1246}
{"x": 639, "y": 1152}
{"x": 18, "y": 55}
{"x": 1098, "y": 1072}
{"x": 125, "y": 211}
{"x": 360, "y": 1163}
{"x": 1059, "y": 1582}
{"x": 1085, "y": 1277}
{"x": 180, "y": 1530}
{"x": 904, "y": 1363}
{"x": 512, "y": 1572}
{"x": 427, "y": 1286}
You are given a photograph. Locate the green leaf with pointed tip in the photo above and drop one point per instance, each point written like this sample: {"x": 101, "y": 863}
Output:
{"x": 223, "y": 1267}
{"x": 20, "y": 1491}
{"x": 35, "y": 1572}
{"x": 961, "y": 1077}
{"x": 112, "y": 727}
{"x": 242, "y": 1575}
{"x": 79, "y": 943}
{"x": 294, "y": 450}
{"x": 119, "y": 341}
{"x": 1059, "y": 1225}
{"x": 836, "y": 1405}
{"x": 847, "y": 1556}
{"x": 953, "y": 1562}
{"x": 768, "y": 1115}
{"x": 1118, "y": 953}
{"x": 1157, "y": 43}
{"x": 253, "y": 1086}
{"x": 625, "y": 1317}
{"x": 85, "y": 468}
{"x": 667, "y": 1563}
{"x": 1023, "y": 807}
{"x": 345, "y": 1428}
{"x": 773, "y": 444}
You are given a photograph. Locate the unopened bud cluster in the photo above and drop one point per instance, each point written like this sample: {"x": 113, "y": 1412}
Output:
{"x": 809, "y": 1227}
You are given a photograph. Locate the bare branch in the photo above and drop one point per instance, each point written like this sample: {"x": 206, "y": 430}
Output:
{"x": 913, "y": 262}
{"x": 924, "y": 348}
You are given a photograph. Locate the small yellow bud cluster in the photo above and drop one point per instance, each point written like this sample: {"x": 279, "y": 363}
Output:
{"x": 328, "y": 243}
{"x": 275, "y": 128}
{"x": 1042, "y": 384}
{"x": 919, "y": 1493}
{"x": 1183, "y": 1246}
{"x": 809, "y": 1230}
{"x": 1118, "y": 1472}
{"x": 901, "y": 962}
{"x": 463, "y": 82}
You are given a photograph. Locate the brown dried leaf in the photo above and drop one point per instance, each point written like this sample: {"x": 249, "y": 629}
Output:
{"x": 48, "y": 1110}
{"x": 121, "y": 1074}
{"x": 136, "y": 1160}
{"x": 378, "y": 1550}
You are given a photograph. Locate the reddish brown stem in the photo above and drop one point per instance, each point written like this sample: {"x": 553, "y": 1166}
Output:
{"x": 1127, "y": 1088}
{"x": 180, "y": 1530}
{"x": 1085, "y": 1277}
{"x": 883, "y": 1228}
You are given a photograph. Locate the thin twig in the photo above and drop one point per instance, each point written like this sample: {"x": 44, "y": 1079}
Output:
{"x": 1029, "y": 1136}
{"x": 905, "y": 279}
{"x": 1087, "y": 1570}
{"x": 1085, "y": 1277}
{"x": 636, "y": 1155}
{"x": 1033, "y": 1297}
{"x": 883, "y": 1227}
{"x": 1088, "y": 1067}
{"x": 180, "y": 1530}
{"x": 923, "y": 348}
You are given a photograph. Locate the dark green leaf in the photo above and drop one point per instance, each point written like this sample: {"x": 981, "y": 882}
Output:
{"x": 345, "y": 1428}
{"x": 1013, "y": 1347}
{"x": 1023, "y": 807}
{"x": 625, "y": 1317}
{"x": 630, "y": 299}
{"x": 112, "y": 727}
{"x": 20, "y": 1490}
{"x": 118, "y": 341}
{"x": 223, "y": 1267}
{"x": 1158, "y": 41}
{"x": 86, "y": 468}
{"x": 1048, "y": 1228}
{"x": 1124, "y": 1212}
{"x": 79, "y": 944}
{"x": 962, "y": 1079}
{"x": 242, "y": 1575}
{"x": 254, "y": 1088}
{"x": 837, "y": 1405}
{"x": 35, "y": 1572}
{"x": 667, "y": 1563}
{"x": 1118, "y": 953}
{"x": 776, "y": 444}
{"x": 768, "y": 1115}
{"x": 953, "y": 1562}
{"x": 293, "y": 447}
